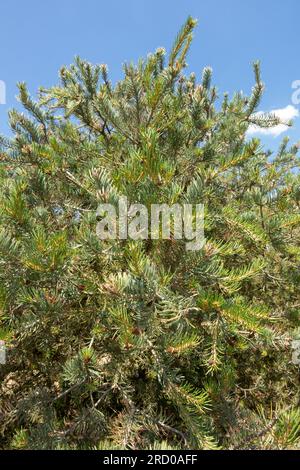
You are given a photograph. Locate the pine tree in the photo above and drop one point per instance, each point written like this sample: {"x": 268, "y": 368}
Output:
{"x": 142, "y": 344}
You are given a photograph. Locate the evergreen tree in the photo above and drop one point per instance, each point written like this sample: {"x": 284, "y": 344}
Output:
{"x": 143, "y": 344}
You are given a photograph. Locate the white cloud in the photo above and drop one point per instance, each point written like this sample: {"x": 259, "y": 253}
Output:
{"x": 284, "y": 114}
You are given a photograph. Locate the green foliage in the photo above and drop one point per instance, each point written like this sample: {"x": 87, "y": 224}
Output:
{"x": 142, "y": 344}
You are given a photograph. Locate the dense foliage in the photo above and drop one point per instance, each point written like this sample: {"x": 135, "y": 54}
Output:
{"x": 143, "y": 344}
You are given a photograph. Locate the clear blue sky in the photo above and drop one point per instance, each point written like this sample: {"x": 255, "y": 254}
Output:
{"x": 38, "y": 37}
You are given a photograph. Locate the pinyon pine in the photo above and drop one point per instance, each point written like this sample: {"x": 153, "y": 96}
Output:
{"x": 142, "y": 344}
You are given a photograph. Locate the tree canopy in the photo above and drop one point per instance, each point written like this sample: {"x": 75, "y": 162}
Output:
{"x": 143, "y": 344}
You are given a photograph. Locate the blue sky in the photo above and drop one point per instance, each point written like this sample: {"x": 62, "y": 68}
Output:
{"x": 37, "y": 38}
